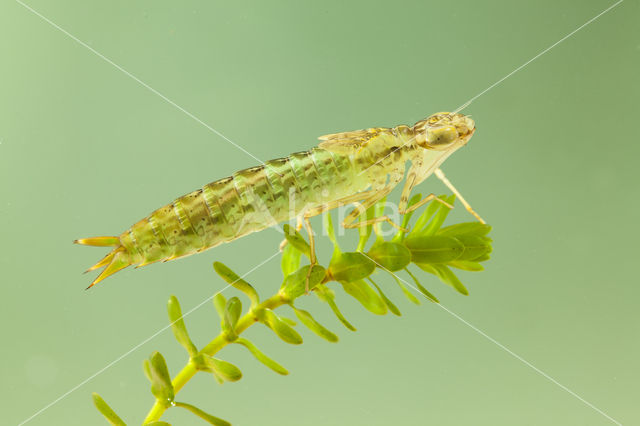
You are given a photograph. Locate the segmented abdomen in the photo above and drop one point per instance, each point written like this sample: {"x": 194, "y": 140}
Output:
{"x": 249, "y": 201}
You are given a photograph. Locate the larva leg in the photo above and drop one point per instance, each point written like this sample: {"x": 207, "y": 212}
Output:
{"x": 425, "y": 200}
{"x": 373, "y": 221}
{"x": 440, "y": 175}
{"x": 361, "y": 209}
{"x": 412, "y": 180}
{"x": 408, "y": 186}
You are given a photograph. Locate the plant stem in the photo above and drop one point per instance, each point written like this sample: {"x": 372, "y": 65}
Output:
{"x": 189, "y": 370}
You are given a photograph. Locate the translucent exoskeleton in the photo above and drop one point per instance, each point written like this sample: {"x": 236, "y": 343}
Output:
{"x": 358, "y": 167}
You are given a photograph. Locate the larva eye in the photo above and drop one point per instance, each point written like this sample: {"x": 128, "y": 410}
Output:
{"x": 441, "y": 137}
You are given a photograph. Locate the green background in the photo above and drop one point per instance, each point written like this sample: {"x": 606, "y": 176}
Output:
{"x": 86, "y": 150}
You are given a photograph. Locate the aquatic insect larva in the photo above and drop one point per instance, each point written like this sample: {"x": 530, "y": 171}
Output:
{"x": 360, "y": 166}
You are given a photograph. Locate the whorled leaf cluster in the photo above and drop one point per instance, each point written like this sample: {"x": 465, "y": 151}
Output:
{"x": 431, "y": 247}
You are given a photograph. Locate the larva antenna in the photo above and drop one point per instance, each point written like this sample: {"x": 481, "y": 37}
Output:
{"x": 463, "y": 106}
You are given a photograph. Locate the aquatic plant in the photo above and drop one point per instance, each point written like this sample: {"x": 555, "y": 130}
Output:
{"x": 428, "y": 245}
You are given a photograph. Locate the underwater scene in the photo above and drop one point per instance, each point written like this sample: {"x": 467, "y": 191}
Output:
{"x": 319, "y": 213}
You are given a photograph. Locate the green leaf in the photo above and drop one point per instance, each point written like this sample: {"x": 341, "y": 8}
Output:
{"x": 434, "y": 249}
{"x": 313, "y": 325}
{"x": 426, "y": 215}
{"x": 220, "y": 303}
{"x": 157, "y": 423}
{"x": 327, "y": 295}
{"x": 233, "y": 310}
{"x": 238, "y": 283}
{"x": 446, "y": 276}
{"x": 158, "y": 373}
{"x": 295, "y": 239}
{"x": 467, "y": 228}
{"x": 390, "y": 256}
{"x": 482, "y": 258}
{"x": 350, "y": 266}
{"x": 423, "y": 290}
{"x": 439, "y": 218}
{"x": 290, "y": 260}
{"x": 107, "y": 411}
{"x": 474, "y": 246}
{"x": 393, "y": 308}
{"x": 288, "y": 321}
{"x": 363, "y": 293}
{"x": 466, "y": 265}
{"x": 262, "y": 357}
{"x": 226, "y": 323}
{"x": 404, "y": 289}
{"x": 178, "y": 327}
{"x": 207, "y": 417}
{"x": 328, "y": 224}
{"x": 146, "y": 367}
{"x": 222, "y": 370}
{"x": 365, "y": 231}
{"x": 439, "y": 212}
{"x": 282, "y": 330}
{"x": 295, "y": 285}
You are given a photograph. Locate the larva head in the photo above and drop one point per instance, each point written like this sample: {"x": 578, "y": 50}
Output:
{"x": 443, "y": 130}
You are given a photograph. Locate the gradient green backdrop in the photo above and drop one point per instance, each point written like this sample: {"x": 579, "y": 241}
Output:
{"x": 86, "y": 150}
